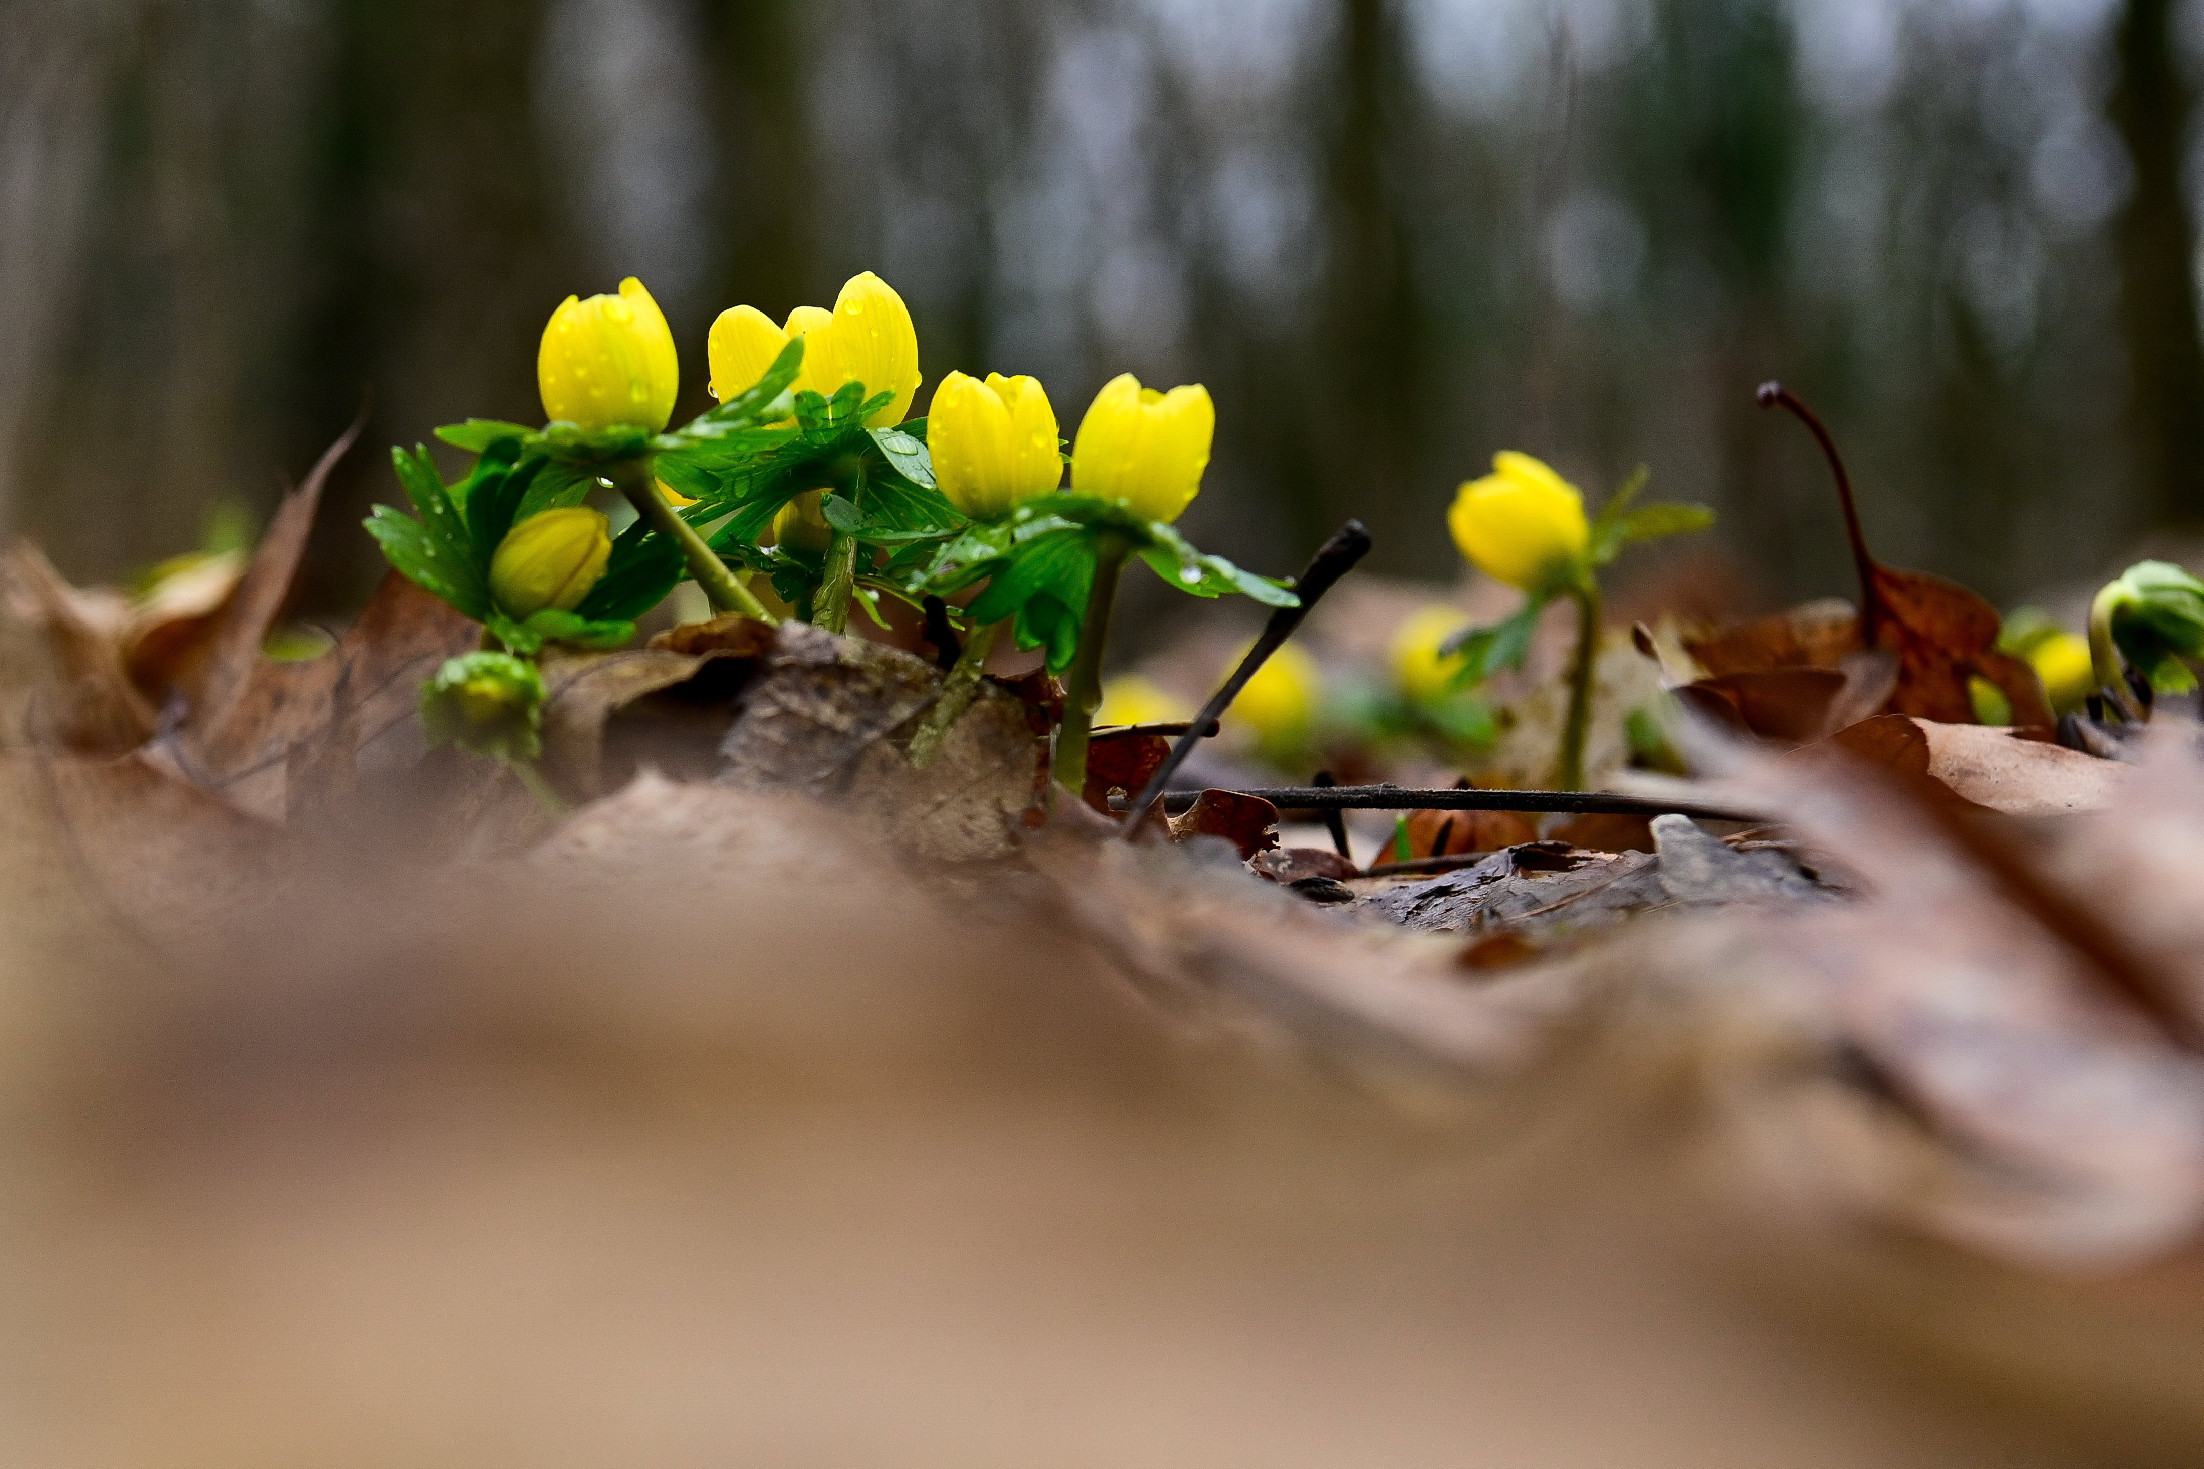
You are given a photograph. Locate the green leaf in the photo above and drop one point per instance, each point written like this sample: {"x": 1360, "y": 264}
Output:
{"x": 641, "y": 570}
{"x": 1060, "y": 564}
{"x": 555, "y": 487}
{"x": 1048, "y": 622}
{"x": 441, "y": 558}
{"x": 494, "y": 491}
{"x": 553, "y": 625}
{"x": 595, "y": 446}
{"x": 907, "y": 454}
{"x": 1485, "y": 651}
{"x": 477, "y": 435}
{"x": 761, "y": 401}
{"x": 1668, "y": 518}
{"x": 1194, "y": 571}
{"x": 517, "y": 637}
{"x": 409, "y": 547}
{"x": 841, "y": 514}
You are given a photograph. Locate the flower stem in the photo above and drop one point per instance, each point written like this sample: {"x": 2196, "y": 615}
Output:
{"x": 2104, "y": 654}
{"x": 532, "y": 781}
{"x": 1580, "y": 686}
{"x": 830, "y": 604}
{"x": 957, "y": 693}
{"x": 633, "y": 478}
{"x": 1084, "y": 695}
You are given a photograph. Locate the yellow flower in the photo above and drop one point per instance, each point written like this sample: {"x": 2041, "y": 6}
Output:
{"x": 1520, "y": 524}
{"x": 2061, "y": 660}
{"x": 1131, "y": 699}
{"x": 993, "y": 442}
{"x": 867, "y": 338}
{"x": 800, "y": 526}
{"x": 742, "y": 345}
{"x": 1279, "y": 702}
{"x": 550, "y": 560}
{"x": 609, "y": 360}
{"x": 1144, "y": 449}
{"x": 1418, "y": 669}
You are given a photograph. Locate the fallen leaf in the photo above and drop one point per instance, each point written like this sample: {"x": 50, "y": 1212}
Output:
{"x": 1437, "y": 833}
{"x": 1289, "y": 865}
{"x": 1122, "y": 762}
{"x": 822, "y": 718}
{"x": 89, "y": 704}
{"x": 1248, "y": 822}
{"x": 1977, "y": 765}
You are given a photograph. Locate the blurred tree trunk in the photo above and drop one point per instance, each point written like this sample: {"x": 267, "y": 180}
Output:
{"x": 1369, "y": 369}
{"x": 765, "y": 157}
{"x": 437, "y": 248}
{"x": 2157, "y": 251}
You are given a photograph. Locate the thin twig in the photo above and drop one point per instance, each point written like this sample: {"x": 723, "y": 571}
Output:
{"x": 1333, "y": 560}
{"x": 1399, "y": 798}
{"x": 1774, "y": 395}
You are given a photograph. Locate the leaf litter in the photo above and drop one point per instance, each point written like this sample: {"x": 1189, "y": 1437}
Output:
{"x": 1955, "y": 1000}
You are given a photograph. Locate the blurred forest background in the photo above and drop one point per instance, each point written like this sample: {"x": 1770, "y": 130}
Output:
{"x": 1391, "y": 235}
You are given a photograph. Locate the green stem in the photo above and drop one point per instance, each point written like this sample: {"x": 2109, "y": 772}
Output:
{"x": 532, "y": 781}
{"x": 958, "y": 691}
{"x": 633, "y": 478}
{"x": 1084, "y": 695}
{"x": 2104, "y": 654}
{"x": 830, "y": 604}
{"x": 1580, "y": 686}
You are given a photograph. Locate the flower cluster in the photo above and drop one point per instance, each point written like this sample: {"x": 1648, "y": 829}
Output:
{"x": 809, "y": 472}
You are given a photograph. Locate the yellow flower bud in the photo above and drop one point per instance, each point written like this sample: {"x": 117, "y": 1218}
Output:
{"x": 1131, "y": 699}
{"x": 1521, "y": 524}
{"x": 993, "y": 442}
{"x": 1419, "y": 671}
{"x": 2061, "y": 660}
{"x": 609, "y": 361}
{"x": 1144, "y": 449}
{"x": 799, "y": 526}
{"x": 742, "y": 345}
{"x": 1279, "y": 702}
{"x": 550, "y": 560}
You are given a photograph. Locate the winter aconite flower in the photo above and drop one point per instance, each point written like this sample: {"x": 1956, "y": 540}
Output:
{"x": 867, "y": 338}
{"x": 487, "y": 703}
{"x": 1522, "y": 524}
{"x": 1279, "y": 703}
{"x": 1131, "y": 699}
{"x": 1420, "y": 670}
{"x": 1144, "y": 449}
{"x": 609, "y": 361}
{"x": 551, "y": 560}
{"x": 993, "y": 443}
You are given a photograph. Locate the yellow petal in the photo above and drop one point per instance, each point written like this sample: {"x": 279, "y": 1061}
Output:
{"x": 743, "y": 344}
{"x": 1418, "y": 669}
{"x": 1144, "y": 449}
{"x": 609, "y": 360}
{"x": 993, "y": 443}
{"x": 868, "y": 338}
{"x": 800, "y": 526}
{"x": 1279, "y": 703}
{"x": 1522, "y": 524}
{"x": 550, "y": 560}
{"x": 2062, "y": 661}
{"x": 1131, "y": 699}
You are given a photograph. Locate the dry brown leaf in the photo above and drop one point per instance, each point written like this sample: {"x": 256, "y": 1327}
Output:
{"x": 172, "y": 633}
{"x": 822, "y": 718}
{"x": 1122, "y": 762}
{"x": 1250, "y": 823}
{"x": 1980, "y": 766}
{"x": 1438, "y": 833}
{"x": 89, "y": 704}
